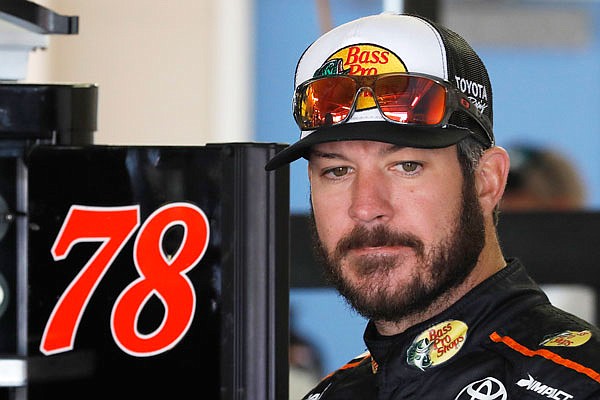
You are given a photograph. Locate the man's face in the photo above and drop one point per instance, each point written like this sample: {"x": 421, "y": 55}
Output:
{"x": 397, "y": 227}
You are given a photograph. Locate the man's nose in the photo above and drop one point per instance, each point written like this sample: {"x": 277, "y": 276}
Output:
{"x": 371, "y": 198}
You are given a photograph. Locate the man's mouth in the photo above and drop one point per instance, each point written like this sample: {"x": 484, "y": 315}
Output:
{"x": 379, "y": 250}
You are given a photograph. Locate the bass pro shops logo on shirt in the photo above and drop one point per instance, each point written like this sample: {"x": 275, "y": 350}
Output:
{"x": 567, "y": 339}
{"x": 437, "y": 344}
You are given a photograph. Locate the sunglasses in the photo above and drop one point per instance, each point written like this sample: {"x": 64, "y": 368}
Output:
{"x": 410, "y": 99}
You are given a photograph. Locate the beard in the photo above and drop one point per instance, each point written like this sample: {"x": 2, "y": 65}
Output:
{"x": 375, "y": 295}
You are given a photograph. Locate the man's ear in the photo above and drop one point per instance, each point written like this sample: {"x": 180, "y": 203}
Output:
{"x": 491, "y": 175}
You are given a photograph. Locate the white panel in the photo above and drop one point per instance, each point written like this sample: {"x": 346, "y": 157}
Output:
{"x": 579, "y": 300}
{"x": 169, "y": 73}
{"x": 13, "y": 372}
{"x": 233, "y": 71}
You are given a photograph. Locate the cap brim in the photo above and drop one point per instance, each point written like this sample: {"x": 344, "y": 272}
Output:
{"x": 379, "y": 131}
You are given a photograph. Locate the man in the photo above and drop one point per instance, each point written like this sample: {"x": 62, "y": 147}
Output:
{"x": 395, "y": 114}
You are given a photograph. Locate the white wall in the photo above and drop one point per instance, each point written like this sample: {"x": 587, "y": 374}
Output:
{"x": 168, "y": 72}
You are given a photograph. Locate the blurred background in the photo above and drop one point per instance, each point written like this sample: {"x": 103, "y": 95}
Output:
{"x": 189, "y": 72}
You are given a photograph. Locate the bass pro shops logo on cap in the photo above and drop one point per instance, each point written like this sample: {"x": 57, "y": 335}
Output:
{"x": 361, "y": 59}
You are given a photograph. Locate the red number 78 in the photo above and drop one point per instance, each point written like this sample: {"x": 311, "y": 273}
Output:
{"x": 159, "y": 275}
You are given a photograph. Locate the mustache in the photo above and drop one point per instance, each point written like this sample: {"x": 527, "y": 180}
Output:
{"x": 378, "y": 236}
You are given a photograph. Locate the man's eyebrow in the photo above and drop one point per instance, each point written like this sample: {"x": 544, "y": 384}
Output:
{"x": 391, "y": 148}
{"x": 322, "y": 154}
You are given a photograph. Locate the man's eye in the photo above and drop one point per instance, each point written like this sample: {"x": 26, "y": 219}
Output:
{"x": 337, "y": 171}
{"x": 409, "y": 166}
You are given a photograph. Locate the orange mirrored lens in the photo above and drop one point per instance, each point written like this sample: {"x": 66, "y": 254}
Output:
{"x": 411, "y": 99}
{"x": 326, "y": 101}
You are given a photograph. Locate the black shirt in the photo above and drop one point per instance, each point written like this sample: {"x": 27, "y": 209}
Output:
{"x": 502, "y": 340}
